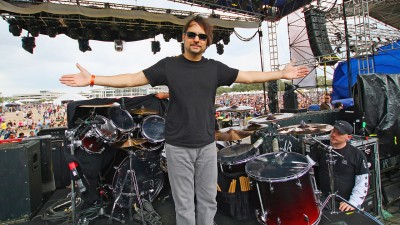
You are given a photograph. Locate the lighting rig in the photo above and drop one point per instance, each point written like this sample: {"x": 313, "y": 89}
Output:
{"x": 116, "y": 29}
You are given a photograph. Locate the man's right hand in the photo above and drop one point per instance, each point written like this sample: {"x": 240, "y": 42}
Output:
{"x": 80, "y": 79}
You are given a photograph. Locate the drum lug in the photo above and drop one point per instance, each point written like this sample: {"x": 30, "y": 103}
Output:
{"x": 278, "y": 221}
{"x": 306, "y": 218}
{"x": 271, "y": 188}
{"x": 298, "y": 184}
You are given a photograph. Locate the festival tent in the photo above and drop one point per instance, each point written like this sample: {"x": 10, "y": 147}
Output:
{"x": 386, "y": 61}
{"x": 68, "y": 98}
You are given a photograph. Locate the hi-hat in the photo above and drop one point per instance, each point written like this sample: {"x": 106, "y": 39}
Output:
{"x": 303, "y": 128}
{"x": 131, "y": 142}
{"x": 232, "y": 135}
{"x": 144, "y": 111}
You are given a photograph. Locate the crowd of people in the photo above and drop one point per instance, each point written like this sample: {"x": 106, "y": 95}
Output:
{"x": 27, "y": 120}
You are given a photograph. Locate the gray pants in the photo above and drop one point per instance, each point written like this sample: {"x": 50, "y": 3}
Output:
{"x": 193, "y": 174}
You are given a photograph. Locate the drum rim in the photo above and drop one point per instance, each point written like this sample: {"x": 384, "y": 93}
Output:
{"x": 145, "y": 135}
{"x": 280, "y": 179}
{"x": 129, "y": 116}
{"x": 230, "y": 163}
{"x": 100, "y": 135}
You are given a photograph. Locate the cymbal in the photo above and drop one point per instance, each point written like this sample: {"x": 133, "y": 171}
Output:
{"x": 234, "y": 108}
{"x": 97, "y": 106}
{"x": 232, "y": 135}
{"x": 133, "y": 142}
{"x": 254, "y": 127}
{"x": 303, "y": 128}
{"x": 144, "y": 111}
{"x": 270, "y": 118}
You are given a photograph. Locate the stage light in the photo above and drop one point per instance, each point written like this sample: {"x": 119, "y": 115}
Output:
{"x": 15, "y": 30}
{"x": 90, "y": 33}
{"x": 52, "y": 32}
{"x": 155, "y": 46}
{"x": 84, "y": 45}
{"x": 34, "y": 31}
{"x": 73, "y": 32}
{"x": 28, "y": 43}
{"x": 167, "y": 36}
{"x": 220, "y": 48}
{"x": 226, "y": 39}
{"x": 118, "y": 45}
{"x": 105, "y": 34}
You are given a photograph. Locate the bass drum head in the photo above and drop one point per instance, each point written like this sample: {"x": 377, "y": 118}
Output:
{"x": 149, "y": 175}
{"x": 277, "y": 167}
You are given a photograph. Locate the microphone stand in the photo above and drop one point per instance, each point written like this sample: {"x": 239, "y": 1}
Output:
{"x": 331, "y": 161}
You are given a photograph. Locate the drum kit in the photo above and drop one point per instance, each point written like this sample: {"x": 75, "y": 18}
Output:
{"x": 282, "y": 182}
{"x": 140, "y": 134}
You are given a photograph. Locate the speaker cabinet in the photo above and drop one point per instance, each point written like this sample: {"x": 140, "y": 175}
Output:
{"x": 21, "y": 186}
{"x": 318, "y": 35}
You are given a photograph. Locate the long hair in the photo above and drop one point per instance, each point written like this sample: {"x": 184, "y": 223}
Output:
{"x": 207, "y": 27}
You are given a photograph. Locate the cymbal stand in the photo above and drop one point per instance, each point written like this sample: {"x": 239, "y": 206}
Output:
{"x": 70, "y": 135}
{"x": 133, "y": 187}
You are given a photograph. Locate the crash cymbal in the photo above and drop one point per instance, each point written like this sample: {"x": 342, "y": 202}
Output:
{"x": 303, "y": 128}
{"x": 270, "y": 118}
{"x": 232, "y": 135}
{"x": 234, "y": 108}
{"x": 131, "y": 142}
{"x": 144, "y": 111}
{"x": 254, "y": 127}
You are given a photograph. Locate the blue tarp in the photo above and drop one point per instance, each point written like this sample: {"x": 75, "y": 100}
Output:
{"x": 386, "y": 61}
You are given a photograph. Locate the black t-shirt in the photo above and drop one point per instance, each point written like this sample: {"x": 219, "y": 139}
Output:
{"x": 345, "y": 169}
{"x": 192, "y": 87}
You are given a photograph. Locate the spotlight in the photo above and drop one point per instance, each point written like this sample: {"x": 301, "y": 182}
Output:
{"x": 220, "y": 48}
{"x": 28, "y": 43}
{"x": 52, "y": 32}
{"x": 84, "y": 45}
{"x": 73, "y": 32}
{"x": 34, "y": 31}
{"x": 15, "y": 30}
{"x": 105, "y": 34}
{"x": 90, "y": 33}
{"x": 226, "y": 39}
{"x": 155, "y": 46}
{"x": 118, "y": 45}
{"x": 167, "y": 36}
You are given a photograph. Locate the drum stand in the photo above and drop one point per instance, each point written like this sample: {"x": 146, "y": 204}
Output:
{"x": 133, "y": 187}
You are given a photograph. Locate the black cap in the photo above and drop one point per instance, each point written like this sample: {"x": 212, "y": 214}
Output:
{"x": 343, "y": 127}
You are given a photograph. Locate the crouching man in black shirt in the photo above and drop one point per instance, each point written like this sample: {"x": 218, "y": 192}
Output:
{"x": 350, "y": 172}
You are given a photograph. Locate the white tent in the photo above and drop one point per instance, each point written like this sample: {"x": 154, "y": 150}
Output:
{"x": 68, "y": 98}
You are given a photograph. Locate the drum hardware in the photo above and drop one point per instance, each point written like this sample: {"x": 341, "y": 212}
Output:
{"x": 133, "y": 187}
{"x": 303, "y": 128}
{"x": 144, "y": 111}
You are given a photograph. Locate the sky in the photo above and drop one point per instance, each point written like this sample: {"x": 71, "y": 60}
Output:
{"x": 25, "y": 73}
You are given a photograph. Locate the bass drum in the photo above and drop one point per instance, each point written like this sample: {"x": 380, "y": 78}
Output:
{"x": 149, "y": 175}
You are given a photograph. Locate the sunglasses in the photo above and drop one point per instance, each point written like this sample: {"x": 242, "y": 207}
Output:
{"x": 193, "y": 35}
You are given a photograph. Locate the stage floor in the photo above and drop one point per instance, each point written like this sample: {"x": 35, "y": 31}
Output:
{"x": 164, "y": 206}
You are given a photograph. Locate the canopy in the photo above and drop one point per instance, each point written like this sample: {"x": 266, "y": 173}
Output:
{"x": 386, "y": 61}
{"x": 68, "y": 98}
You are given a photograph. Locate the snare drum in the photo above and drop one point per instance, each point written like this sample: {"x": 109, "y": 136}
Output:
{"x": 122, "y": 119}
{"x": 284, "y": 188}
{"x": 233, "y": 158}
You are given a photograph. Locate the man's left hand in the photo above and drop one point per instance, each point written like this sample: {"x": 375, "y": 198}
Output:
{"x": 291, "y": 71}
{"x": 345, "y": 207}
